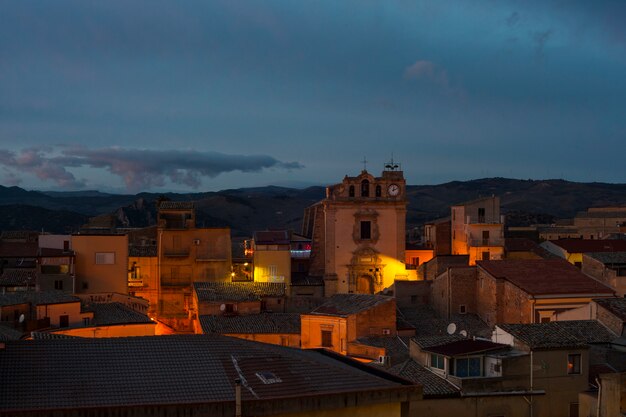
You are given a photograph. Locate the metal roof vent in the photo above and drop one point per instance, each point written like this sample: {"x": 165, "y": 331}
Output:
{"x": 268, "y": 377}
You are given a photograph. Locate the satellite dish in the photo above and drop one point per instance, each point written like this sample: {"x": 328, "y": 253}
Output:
{"x": 223, "y": 307}
{"x": 22, "y": 318}
{"x": 463, "y": 333}
{"x": 451, "y": 328}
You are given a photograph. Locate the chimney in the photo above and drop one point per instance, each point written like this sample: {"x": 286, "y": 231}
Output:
{"x": 237, "y": 397}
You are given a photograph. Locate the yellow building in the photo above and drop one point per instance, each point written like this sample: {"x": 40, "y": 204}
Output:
{"x": 101, "y": 263}
{"x": 272, "y": 257}
{"x": 478, "y": 229}
{"x": 358, "y": 233}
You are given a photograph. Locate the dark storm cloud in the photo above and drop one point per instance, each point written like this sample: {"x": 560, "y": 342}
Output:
{"x": 139, "y": 168}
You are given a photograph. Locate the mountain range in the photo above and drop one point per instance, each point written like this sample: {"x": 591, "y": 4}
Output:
{"x": 245, "y": 210}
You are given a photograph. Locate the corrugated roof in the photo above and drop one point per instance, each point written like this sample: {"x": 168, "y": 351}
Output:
{"x": 465, "y": 347}
{"x": 18, "y": 277}
{"x": 346, "y": 304}
{"x": 434, "y": 385}
{"x": 282, "y": 323}
{"x": 609, "y": 257}
{"x": 617, "y": 306}
{"x": 544, "y": 276}
{"x": 107, "y": 314}
{"x": 37, "y": 298}
{"x": 560, "y": 334}
{"x": 176, "y": 369}
{"x": 590, "y": 245}
{"x": 237, "y": 291}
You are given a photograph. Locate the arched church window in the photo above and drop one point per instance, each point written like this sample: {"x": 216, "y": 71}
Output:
{"x": 351, "y": 191}
{"x": 378, "y": 191}
{"x": 365, "y": 188}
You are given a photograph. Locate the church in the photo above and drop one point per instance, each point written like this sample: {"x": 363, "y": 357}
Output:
{"x": 358, "y": 233}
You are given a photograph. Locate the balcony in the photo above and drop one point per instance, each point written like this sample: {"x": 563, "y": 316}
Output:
{"x": 487, "y": 242}
{"x": 176, "y": 253}
{"x": 484, "y": 220}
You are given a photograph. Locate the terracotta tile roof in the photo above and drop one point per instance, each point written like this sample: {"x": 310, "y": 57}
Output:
{"x": 609, "y": 258}
{"x": 237, "y": 291}
{"x": 272, "y": 237}
{"x": 426, "y": 342}
{"x": 544, "y": 276}
{"x": 148, "y": 251}
{"x": 434, "y": 385}
{"x": 18, "y": 277}
{"x": 519, "y": 244}
{"x": 176, "y": 205}
{"x": 560, "y": 334}
{"x": 397, "y": 347}
{"x": 617, "y": 306}
{"x": 428, "y": 323}
{"x": 176, "y": 369}
{"x": 18, "y": 249}
{"x": 465, "y": 347}
{"x": 285, "y": 323}
{"x": 37, "y": 298}
{"x": 590, "y": 245}
{"x": 107, "y": 314}
{"x": 343, "y": 305}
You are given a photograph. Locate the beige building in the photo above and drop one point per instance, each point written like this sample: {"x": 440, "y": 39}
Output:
{"x": 358, "y": 233}
{"x": 187, "y": 254}
{"x": 600, "y": 222}
{"x": 101, "y": 263}
{"x": 478, "y": 229}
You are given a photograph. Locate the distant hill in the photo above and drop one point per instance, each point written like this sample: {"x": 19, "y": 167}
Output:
{"x": 245, "y": 210}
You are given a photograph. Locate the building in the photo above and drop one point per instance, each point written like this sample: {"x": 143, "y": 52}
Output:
{"x": 101, "y": 263}
{"x": 608, "y": 268}
{"x": 344, "y": 318}
{"x": 191, "y": 375}
{"x": 601, "y": 222}
{"x": 515, "y": 290}
{"x": 29, "y": 310}
{"x": 275, "y": 328}
{"x": 187, "y": 254}
{"x": 478, "y": 229}
{"x": 572, "y": 250}
{"x": 272, "y": 256}
{"x": 358, "y": 233}
{"x": 437, "y": 235}
{"x": 143, "y": 274}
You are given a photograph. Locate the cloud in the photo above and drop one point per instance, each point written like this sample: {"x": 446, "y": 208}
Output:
{"x": 138, "y": 168}
{"x": 428, "y": 70}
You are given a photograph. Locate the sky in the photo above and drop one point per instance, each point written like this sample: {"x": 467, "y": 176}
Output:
{"x": 129, "y": 96}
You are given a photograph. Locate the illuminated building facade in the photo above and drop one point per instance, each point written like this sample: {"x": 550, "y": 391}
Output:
{"x": 358, "y": 233}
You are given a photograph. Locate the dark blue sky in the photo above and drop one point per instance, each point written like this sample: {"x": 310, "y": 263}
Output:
{"x": 164, "y": 95}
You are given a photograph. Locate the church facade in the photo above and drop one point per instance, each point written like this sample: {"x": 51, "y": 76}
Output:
{"x": 358, "y": 233}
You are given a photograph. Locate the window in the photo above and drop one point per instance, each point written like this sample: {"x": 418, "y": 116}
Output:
{"x": 485, "y": 256}
{"x": 462, "y": 309}
{"x": 105, "y": 258}
{"x": 273, "y": 270}
{"x": 378, "y": 191}
{"x": 481, "y": 215}
{"x": 573, "y": 364}
{"x": 365, "y": 188}
{"x": 58, "y": 284}
{"x": 573, "y": 409}
{"x": 351, "y": 191}
{"x": 415, "y": 260}
{"x": 436, "y": 361}
{"x": 485, "y": 237}
{"x": 85, "y": 285}
{"x": 327, "y": 338}
{"x": 466, "y": 367}
{"x": 86, "y": 321}
{"x": 414, "y": 299}
{"x": 366, "y": 230}
{"x": 64, "y": 321}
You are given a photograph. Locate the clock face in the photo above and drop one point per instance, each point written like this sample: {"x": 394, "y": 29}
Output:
{"x": 393, "y": 190}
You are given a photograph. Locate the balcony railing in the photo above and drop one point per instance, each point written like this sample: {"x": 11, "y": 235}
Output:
{"x": 492, "y": 241}
{"x": 176, "y": 253}
{"x": 484, "y": 220}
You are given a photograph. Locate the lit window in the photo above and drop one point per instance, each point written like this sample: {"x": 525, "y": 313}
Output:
{"x": 105, "y": 258}
{"x": 573, "y": 364}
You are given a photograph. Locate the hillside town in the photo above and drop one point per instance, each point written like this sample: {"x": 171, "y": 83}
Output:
{"x": 350, "y": 315}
